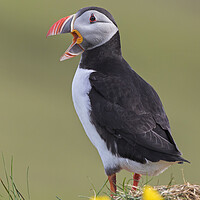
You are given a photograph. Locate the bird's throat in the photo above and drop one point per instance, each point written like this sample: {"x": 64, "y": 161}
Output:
{"x": 109, "y": 50}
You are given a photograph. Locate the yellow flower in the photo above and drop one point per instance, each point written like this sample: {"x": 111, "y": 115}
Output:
{"x": 100, "y": 198}
{"x": 150, "y": 194}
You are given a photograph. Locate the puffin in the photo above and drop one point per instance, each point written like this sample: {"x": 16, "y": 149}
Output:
{"x": 120, "y": 112}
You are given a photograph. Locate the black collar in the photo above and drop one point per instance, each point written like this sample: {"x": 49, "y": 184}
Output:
{"x": 111, "y": 50}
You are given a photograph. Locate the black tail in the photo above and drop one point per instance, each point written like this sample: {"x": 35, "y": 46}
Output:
{"x": 182, "y": 160}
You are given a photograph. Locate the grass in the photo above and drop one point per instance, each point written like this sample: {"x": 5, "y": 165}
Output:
{"x": 124, "y": 190}
{"x": 10, "y": 186}
{"x": 168, "y": 192}
{"x": 173, "y": 192}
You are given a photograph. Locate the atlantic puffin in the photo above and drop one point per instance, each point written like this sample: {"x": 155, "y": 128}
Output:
{"x": 120, "y": 112}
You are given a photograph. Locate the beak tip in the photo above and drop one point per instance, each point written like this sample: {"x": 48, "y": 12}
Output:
{"x": 49, "y": 33}
{"x": 62, "y": 58}
{"x": 65, "y": 57}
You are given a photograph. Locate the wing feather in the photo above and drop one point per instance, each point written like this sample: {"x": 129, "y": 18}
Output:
{"x": 131, "y": 112}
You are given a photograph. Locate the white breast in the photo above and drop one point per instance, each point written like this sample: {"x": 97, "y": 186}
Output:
{"x": 80, "y": 89}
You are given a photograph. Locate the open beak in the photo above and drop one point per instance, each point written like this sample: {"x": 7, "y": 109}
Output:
{"x": 66, "y": 25}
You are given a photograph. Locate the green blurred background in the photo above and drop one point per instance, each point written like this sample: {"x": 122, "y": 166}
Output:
{"x": 38, "y": 124}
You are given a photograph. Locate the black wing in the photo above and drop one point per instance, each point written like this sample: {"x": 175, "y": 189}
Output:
{"x": 130, "y": 118}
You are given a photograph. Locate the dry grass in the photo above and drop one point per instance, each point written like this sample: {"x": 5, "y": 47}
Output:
{"x": 185, "y": 191}
{"x": 173, "y": 192}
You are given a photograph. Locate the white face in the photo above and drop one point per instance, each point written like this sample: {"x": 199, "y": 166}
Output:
{"x": 94, "y": 33}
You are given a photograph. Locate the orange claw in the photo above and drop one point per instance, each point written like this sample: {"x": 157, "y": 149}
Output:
{"x": 136, "y": 179}
{"x": 112, "y": 181}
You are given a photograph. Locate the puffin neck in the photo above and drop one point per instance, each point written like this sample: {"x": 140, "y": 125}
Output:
{"x": 96, "y": 56}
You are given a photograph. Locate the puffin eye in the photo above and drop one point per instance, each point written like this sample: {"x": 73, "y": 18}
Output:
{"x": 92, "y": 18}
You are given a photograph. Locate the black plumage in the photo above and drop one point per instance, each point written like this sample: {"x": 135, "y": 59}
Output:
{"x": 125, "y": 109}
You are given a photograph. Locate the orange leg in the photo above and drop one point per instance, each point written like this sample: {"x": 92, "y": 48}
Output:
{"x": 112, "y": 181}
{"x": 136, "y": 179}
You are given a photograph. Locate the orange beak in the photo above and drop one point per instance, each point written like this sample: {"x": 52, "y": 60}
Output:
{"x": 66, "y": 25}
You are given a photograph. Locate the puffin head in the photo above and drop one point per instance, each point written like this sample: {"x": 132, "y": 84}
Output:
{"x": 91, "y": 27}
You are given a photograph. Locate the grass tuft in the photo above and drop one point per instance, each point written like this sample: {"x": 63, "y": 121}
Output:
{"x": 173, "y": 192}
{"x": 10, "y": 187}
{"x": 186, "y": 191}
